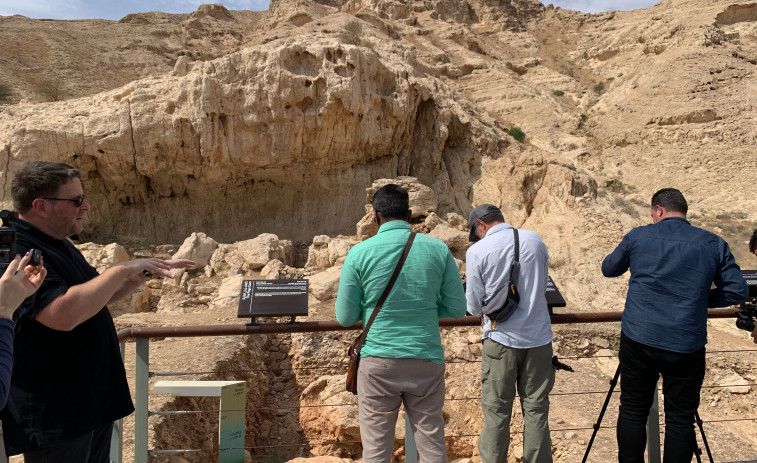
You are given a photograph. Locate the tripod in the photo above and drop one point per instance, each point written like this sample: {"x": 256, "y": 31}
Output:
{"x": 613, "y": 383}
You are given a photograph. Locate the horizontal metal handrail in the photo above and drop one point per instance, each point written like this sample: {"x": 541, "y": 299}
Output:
{"x": 142, "y": 335}
{"x": 333, "y": 325}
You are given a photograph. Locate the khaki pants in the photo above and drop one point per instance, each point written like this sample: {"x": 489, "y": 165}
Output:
{"x": 502, "y": 369}
{"x": 382, "y": 386}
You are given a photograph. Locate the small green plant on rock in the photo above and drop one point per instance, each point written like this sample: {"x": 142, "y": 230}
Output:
{"x": 558, "y": 93}
{"x": 517, "y": 134}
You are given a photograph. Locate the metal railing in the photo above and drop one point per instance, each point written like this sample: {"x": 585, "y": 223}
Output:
{"x": 142, "y": 336}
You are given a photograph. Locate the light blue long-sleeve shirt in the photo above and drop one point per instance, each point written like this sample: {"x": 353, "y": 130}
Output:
{"x": 428, "y": 289}
{"x": 487, "y": 271}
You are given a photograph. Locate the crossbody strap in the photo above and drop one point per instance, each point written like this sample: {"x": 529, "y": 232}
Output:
{"x": 515, "y": 269}
{"x": 388, "y": 288}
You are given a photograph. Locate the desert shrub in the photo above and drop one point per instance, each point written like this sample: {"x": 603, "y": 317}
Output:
{"x": 625, "y": 207}
{"x": 615, "y": 185}
{"x": 352, "y": 32}
{"x": 51, "y": 89}
{"x": 5, "y": 91}
{"x": 584, "y": 117}
{"x": 517, "y": 134}
{"x": 599, "y": 88}
{"x": 558, "y": 93}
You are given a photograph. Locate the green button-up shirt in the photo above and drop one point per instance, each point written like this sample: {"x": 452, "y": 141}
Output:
{"x": 427, "y": 289}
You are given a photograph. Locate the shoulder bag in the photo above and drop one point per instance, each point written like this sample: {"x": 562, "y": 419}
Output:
{"x": 502, "y": 314}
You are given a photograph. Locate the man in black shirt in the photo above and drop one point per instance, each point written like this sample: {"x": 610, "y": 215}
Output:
{"x": 68, "y": 383}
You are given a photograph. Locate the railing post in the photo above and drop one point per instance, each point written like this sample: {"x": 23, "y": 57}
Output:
{"x": 117, "y": 438}
{"x": 140, "y": 394}
{"x": 411, "y": 450}
{"x": 653, "y": 431}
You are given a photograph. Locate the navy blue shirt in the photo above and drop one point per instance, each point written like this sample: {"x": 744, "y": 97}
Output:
{"x": 673, "y": 267}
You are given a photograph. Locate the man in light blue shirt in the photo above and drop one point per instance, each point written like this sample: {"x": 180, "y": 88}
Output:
{"x": 518, "y": 351}
{"x": 402, "y": 360}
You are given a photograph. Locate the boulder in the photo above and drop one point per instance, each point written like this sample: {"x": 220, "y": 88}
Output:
{"x": 324, "y": 285}
{"x": 260, "y": 250}
{"x": 199, "y": 248}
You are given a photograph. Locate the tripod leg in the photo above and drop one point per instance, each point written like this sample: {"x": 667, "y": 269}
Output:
{"x": 704, "y": 439}
{"x": 613, "y": 382}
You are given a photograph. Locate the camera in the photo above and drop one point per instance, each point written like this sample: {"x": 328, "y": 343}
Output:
{"x": 747, "y": 315}
{"x": 8, "y": 242}
{"x": 745, "y": 318}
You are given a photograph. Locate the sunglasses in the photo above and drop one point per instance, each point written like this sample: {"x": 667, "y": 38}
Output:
{"x": 78, "y": 201}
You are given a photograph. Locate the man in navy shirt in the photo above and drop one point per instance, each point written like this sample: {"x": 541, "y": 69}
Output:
{"x": 664, "y": 329}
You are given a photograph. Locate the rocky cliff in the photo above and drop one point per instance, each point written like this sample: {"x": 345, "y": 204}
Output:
{"x": 263, "y": 133}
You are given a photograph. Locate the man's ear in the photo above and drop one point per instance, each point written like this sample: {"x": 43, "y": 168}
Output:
{"x": 40, "y": 207}
{"x": 377, "y": 218}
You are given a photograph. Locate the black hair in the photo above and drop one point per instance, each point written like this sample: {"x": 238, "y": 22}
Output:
{"x": 37, "y": 179}
{"x": 753, "y": 242}
{"x": 671, "y": 199}
{"x": 491, "y": 217}
{"x": 391, "y": 201}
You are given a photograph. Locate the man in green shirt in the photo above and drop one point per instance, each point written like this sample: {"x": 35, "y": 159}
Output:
{"x": 402, "y": 360}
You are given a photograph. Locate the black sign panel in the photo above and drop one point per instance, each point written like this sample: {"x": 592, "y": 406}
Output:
{"x": 554, "y": 298}
{"x": 273, "y": 298}
{"x": 751, "y": 280}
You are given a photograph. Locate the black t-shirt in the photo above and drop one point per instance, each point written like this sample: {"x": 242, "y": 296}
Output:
{"x": 64, "y": 383}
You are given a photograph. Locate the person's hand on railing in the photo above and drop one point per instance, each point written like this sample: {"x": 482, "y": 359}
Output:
{"x": 19, "y": 281}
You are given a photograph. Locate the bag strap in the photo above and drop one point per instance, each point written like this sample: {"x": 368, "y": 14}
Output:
{"x": 388, "y": 288}
{"x": 517, "y": 244}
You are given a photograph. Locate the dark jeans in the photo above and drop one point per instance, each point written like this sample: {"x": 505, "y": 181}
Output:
{"x": 92, "y": 447}
{"x": 682, "y": 376}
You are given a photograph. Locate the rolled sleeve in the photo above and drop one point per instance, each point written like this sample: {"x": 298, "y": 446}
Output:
{"x": 451, "y": 301}
{"x": 349, "y": 296}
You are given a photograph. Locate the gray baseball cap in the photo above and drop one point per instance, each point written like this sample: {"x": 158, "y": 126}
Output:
{"x": 477, "y": 213}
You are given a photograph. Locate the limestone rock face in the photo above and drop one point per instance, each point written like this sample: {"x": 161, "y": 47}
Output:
{"x": 276, "y": 139}
{"x": 331, "y": 423}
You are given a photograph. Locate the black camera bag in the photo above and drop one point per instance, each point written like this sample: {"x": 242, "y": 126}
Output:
{"x": 503, "y": 313}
